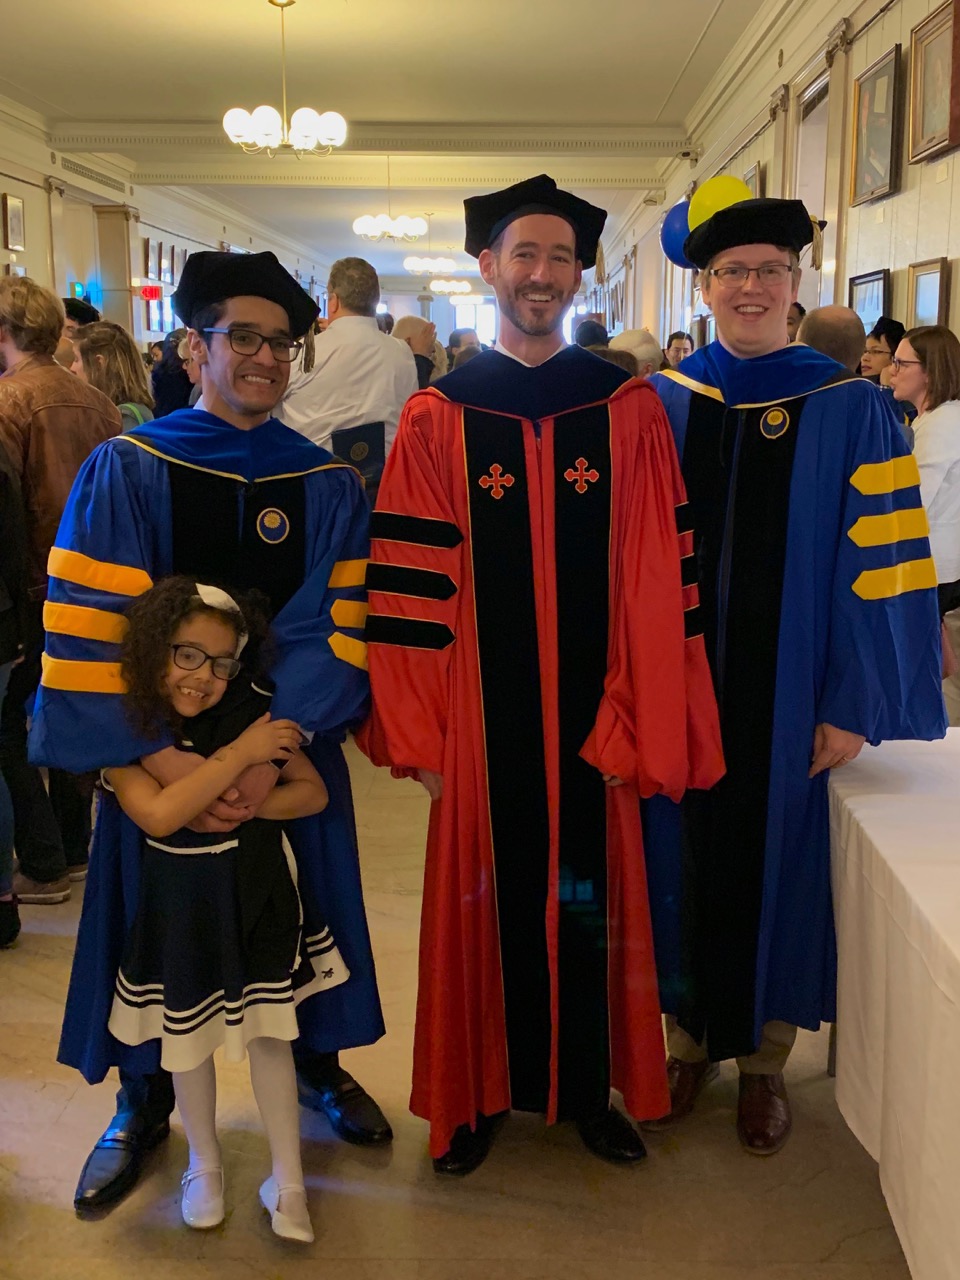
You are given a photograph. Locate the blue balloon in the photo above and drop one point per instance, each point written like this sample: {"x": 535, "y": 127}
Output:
{"x": 673, "y": 232}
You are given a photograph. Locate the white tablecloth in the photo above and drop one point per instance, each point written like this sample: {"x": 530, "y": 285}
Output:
{"x": 895, "y": 829}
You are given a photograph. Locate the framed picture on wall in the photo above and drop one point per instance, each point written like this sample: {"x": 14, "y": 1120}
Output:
{"x": 151, "y": 259}
{"x": 877, "y": 130}
{"x": 154, "y": 317}
{"x": 869, "y": 296}
{"x": 14, "y": 269}
{"x": 754, "y": 178}
{"x": 13, "y": 228}
{"x": 928, "y": 289}
{"x": 934, "y": 84}
{"x": 166, "y": 263}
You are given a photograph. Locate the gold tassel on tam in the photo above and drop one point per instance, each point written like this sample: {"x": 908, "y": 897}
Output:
{"x": 309, "y": 351}
{"x": 816, "y": 249}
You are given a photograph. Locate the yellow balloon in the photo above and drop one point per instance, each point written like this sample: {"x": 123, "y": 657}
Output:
{"x": 716, "y": 194}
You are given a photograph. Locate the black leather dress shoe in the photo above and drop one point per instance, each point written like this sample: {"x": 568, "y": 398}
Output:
{"x": 468, "y": 1147}
{"x": 612, "y": 1137}
{"x": 114, "y": 1164}
{"x": 352, "y": 1113}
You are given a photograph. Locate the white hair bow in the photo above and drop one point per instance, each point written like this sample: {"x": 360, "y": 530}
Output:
{"x": 219, "y": 599}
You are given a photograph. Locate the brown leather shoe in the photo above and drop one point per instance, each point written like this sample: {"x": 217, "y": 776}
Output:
{"x": 686, "y": 1080}
{"x": 763, "y": 1114}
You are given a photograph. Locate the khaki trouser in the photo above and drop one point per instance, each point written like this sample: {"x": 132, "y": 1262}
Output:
{"x": 951, "y": 686}
{"x": 769, "y": 1059}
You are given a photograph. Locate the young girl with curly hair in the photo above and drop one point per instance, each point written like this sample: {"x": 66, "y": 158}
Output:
{"x": 219, "y": 953}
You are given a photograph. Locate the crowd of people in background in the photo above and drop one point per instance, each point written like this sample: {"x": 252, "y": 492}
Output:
{"x": 193, "y": 521}
{"x": 356, "y": 373}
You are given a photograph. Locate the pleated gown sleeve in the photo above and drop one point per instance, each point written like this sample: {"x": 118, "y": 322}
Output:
{"x": 413, "y": 583}
{"x": 102, "y": 559}
{"x": 657, "y": 726}
{"x": 882, "y": 676}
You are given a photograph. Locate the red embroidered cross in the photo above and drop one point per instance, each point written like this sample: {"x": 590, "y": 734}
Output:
{"x": 581, "y": 475}
{"x": 496, "y": 481}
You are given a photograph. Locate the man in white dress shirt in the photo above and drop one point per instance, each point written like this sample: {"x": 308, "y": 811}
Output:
{"x": 351, "y": 399}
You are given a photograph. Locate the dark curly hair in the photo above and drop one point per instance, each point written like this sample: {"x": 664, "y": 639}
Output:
{"x": 153, "y": 619}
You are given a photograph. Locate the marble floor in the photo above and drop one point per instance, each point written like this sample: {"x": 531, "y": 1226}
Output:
{"x": 541, "y": 1208}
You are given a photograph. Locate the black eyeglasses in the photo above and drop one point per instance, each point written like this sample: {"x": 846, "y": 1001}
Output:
{"x": 188, "y": 657}
{"x": 247, "y": 342}
{"x": 898, "y": 364}
{"x": 770, "y": 273}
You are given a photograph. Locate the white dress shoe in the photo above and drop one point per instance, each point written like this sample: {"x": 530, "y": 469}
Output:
{"x": 202, "y": 1202}
{"x": 294, "y": 1223}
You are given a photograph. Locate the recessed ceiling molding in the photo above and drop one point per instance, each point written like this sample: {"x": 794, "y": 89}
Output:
{"x": 612, "y": 140}
{"x": 337, "y": 173}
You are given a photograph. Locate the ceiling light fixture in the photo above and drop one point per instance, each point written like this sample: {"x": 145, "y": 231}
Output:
{"x": 383, "y": 226}
{"x": 451, "y": 286}
{"x": 428, "y": 266}
{"x": 265, "y": 129}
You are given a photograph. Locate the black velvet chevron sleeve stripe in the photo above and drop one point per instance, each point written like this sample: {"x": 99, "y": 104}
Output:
{"x": 408, "y": 633}
{"x": 688, "y": 570}
{"x": 390, "y": 526}
{"x": 403, "y": 580}
{"x": 692, "y": 623}
{"x": 684, "y": 518}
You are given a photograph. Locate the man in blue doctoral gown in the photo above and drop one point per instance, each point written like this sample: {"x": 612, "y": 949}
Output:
{"x": 819, "y": 607}
{"x": 224, "y": 494}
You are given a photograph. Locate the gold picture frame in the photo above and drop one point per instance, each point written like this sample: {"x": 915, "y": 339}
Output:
{"x": 14, "y": 232}
{"x": 877, "y": 143}
{"x": 755, "y": 180}
{"x": 928, "y": 292}
{"x": 869, "y": 296}
{"x": 935, "y": 84}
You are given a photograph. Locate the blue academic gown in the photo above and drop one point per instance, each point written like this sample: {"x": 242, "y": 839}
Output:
{"x": 263, "y": 508}
{"x": 818, "y": 595}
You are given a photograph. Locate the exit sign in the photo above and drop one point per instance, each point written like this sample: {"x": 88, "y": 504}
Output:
{"x": 151, "y": 292}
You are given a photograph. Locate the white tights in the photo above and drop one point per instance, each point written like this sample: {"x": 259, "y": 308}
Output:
{"x": 275, "y": 1089}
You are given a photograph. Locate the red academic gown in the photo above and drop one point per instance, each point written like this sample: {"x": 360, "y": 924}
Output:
{"x": 533, "y": 623}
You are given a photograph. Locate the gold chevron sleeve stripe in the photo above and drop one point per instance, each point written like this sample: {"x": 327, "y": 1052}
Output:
{"x": 896, "y": 579}
{"x": 892, "y": 526}
{"x": 87, "y": 624}
{"x": 82, "y": 677}
{"x": 873, "y": 478}
{"x": 349, "y": 613}
{"x": 349, "y": 650}
{"x": 348, "y": 573}
{"x": 101, "y": 575}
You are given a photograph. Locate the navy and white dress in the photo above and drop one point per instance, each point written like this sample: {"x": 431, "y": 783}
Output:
{"x": 220, "y": 951}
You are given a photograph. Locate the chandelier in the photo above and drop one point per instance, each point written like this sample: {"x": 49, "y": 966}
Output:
{"x": 428, "y": 266}
{"x": 383, "y": 226}
{"x": 451, "y": 286}
{"x": 265, "y": 129}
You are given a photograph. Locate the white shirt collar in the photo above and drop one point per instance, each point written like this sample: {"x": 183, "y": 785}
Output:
{"x": 504, "y": 352}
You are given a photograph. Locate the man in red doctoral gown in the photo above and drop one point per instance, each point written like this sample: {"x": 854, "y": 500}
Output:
{"x": 537, "y": 661}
